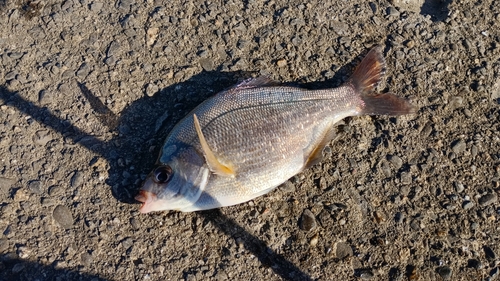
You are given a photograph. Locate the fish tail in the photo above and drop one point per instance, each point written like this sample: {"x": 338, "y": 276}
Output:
{"x": 365, "y": 80}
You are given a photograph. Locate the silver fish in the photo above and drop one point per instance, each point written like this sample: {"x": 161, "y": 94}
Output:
{"x": 245, "y": 141}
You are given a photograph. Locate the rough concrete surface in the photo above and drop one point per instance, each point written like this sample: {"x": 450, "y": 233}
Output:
{"x": 89, "y": 90}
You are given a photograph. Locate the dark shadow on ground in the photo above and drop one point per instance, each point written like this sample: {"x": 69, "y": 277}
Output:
{"x": 267, "y": 256}
{"x": 143, "y": 126}
{"x": 19, "y": 270}
{"x": 437, "y": 9}
{"x": 139, "y": 134}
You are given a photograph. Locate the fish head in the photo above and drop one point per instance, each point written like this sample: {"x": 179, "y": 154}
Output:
{"x": 174, "y": 185}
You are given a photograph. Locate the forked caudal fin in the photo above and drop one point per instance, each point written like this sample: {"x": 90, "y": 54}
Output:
{"x": 365, "y": 79}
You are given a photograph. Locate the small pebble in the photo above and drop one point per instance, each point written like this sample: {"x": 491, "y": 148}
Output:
{"x": 124, "y": 5}
{"x": 242, "y": 44}
{"x": 110, "y": 61}
{"x": 127, "y": 243}
{"x": 23, "y": 252}
{"x": 76, "y": 179}
{"x": 307, "y": 220}
{"x": 379, "y": 217}
{"x": 488, "y": 199}
{"x": 391, "y": 11}
{"x": 21, "y": 195}
{"x": 4, "y": 245}
{"x": 488, "y": 252}
{"x": 476, "y": 264}
{"x": 10, "y": 75}
{"x": 86, "y": 259}
{"x": 62, "y": 215}
{"x": 467, "y": 205}
{"x": 458, "y": 146}
{"x": 35, "y": 187}
{"x": 314, "y": 241}
{"x": 114, "y": 46}
{"x": 16, "y": 55}
{"x": 281, "y": 63}
{"x": 364, "y": 273}
{"x": 83, "y": 71}
{"x": 207, "y": 64}
{"x": 134, "y": 223}
{"x": 151, "y": 89}
{"x": 399, "y": 217}
{"x": 45, "y": 97}
{"x": 96, "y": 6}
{"x": 54, "y": 190}
{"x": 287, "y": 187}
{"x": 5, "y": 185}
{"x": 343, "y": 250}
{"x": 48, "y": 202}
{"x": 459, "y": 187}
{"x": 18, "y": 267}
{"x": 395, "y": 161}
{"x": 456, "y": 102}
{"x": 410, "y": 44}
{"x": 445, "y": 272}
{"x": 415, "y": 225}
{"x": 64, "y": 88}
{"x": 467, "y": 113}
{"x": 494, "y": 272}
{"x": 152, "y": 35}
{"x": 405, "y": 178}
{"x": 42, "y": 137}
{"x": 296, "y": 41}
{"x": 386, "y": 169}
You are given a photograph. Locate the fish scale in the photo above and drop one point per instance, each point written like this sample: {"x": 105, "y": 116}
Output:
{"x": 260, "y": 168}
{"x": 245, "y": 141}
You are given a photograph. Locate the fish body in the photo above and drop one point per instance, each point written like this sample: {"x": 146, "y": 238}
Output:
{"x": 245, "y": 141}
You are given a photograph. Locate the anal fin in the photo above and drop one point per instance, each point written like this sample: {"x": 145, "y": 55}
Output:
{"x": 212, "y": 161}
{"x": 316, "y": 154}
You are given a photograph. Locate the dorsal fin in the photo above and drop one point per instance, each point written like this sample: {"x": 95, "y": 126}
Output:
{"x": 261, "y": 81}
{"x": 369, "y": 72}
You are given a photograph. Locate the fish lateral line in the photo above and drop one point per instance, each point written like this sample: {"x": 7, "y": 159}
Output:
{"x": 213, "y": 162}
{"x": 232, "y": 111}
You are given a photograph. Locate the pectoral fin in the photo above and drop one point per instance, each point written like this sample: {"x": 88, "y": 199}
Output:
{"x": 316, "y": 153}
{"x": 213, "y": 163}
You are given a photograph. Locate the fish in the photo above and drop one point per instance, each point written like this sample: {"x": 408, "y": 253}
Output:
{"x": 247, "y": 140}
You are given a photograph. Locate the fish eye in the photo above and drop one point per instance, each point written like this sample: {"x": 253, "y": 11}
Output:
{"x": 162, "y": 174}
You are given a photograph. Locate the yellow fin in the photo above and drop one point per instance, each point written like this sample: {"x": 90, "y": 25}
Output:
{"x": 316, "y": 154}
{"x": 213, "y": 163}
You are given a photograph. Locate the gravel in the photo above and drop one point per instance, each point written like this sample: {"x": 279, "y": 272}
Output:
{"x": 395, "y": 198}
{"x": 343, "y": 250}
{"x": 488, "y": 199}
{"x": 62, "y": 215}
{"x": 76, "y": 179}
{"x": 307, "y": 220}
{"x": 35, "y": 186}
{"x": 445, "y": 272}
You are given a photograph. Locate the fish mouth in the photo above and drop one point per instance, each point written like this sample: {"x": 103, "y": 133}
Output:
{"x": 145, "y": 197}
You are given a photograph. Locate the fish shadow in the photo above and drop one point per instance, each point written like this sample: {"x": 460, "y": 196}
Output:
{"x": 142, "y": 129}
{"x": 143, "y": 126}
{"x": 18, "y": 269}
{"x": 139, "y": 132}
